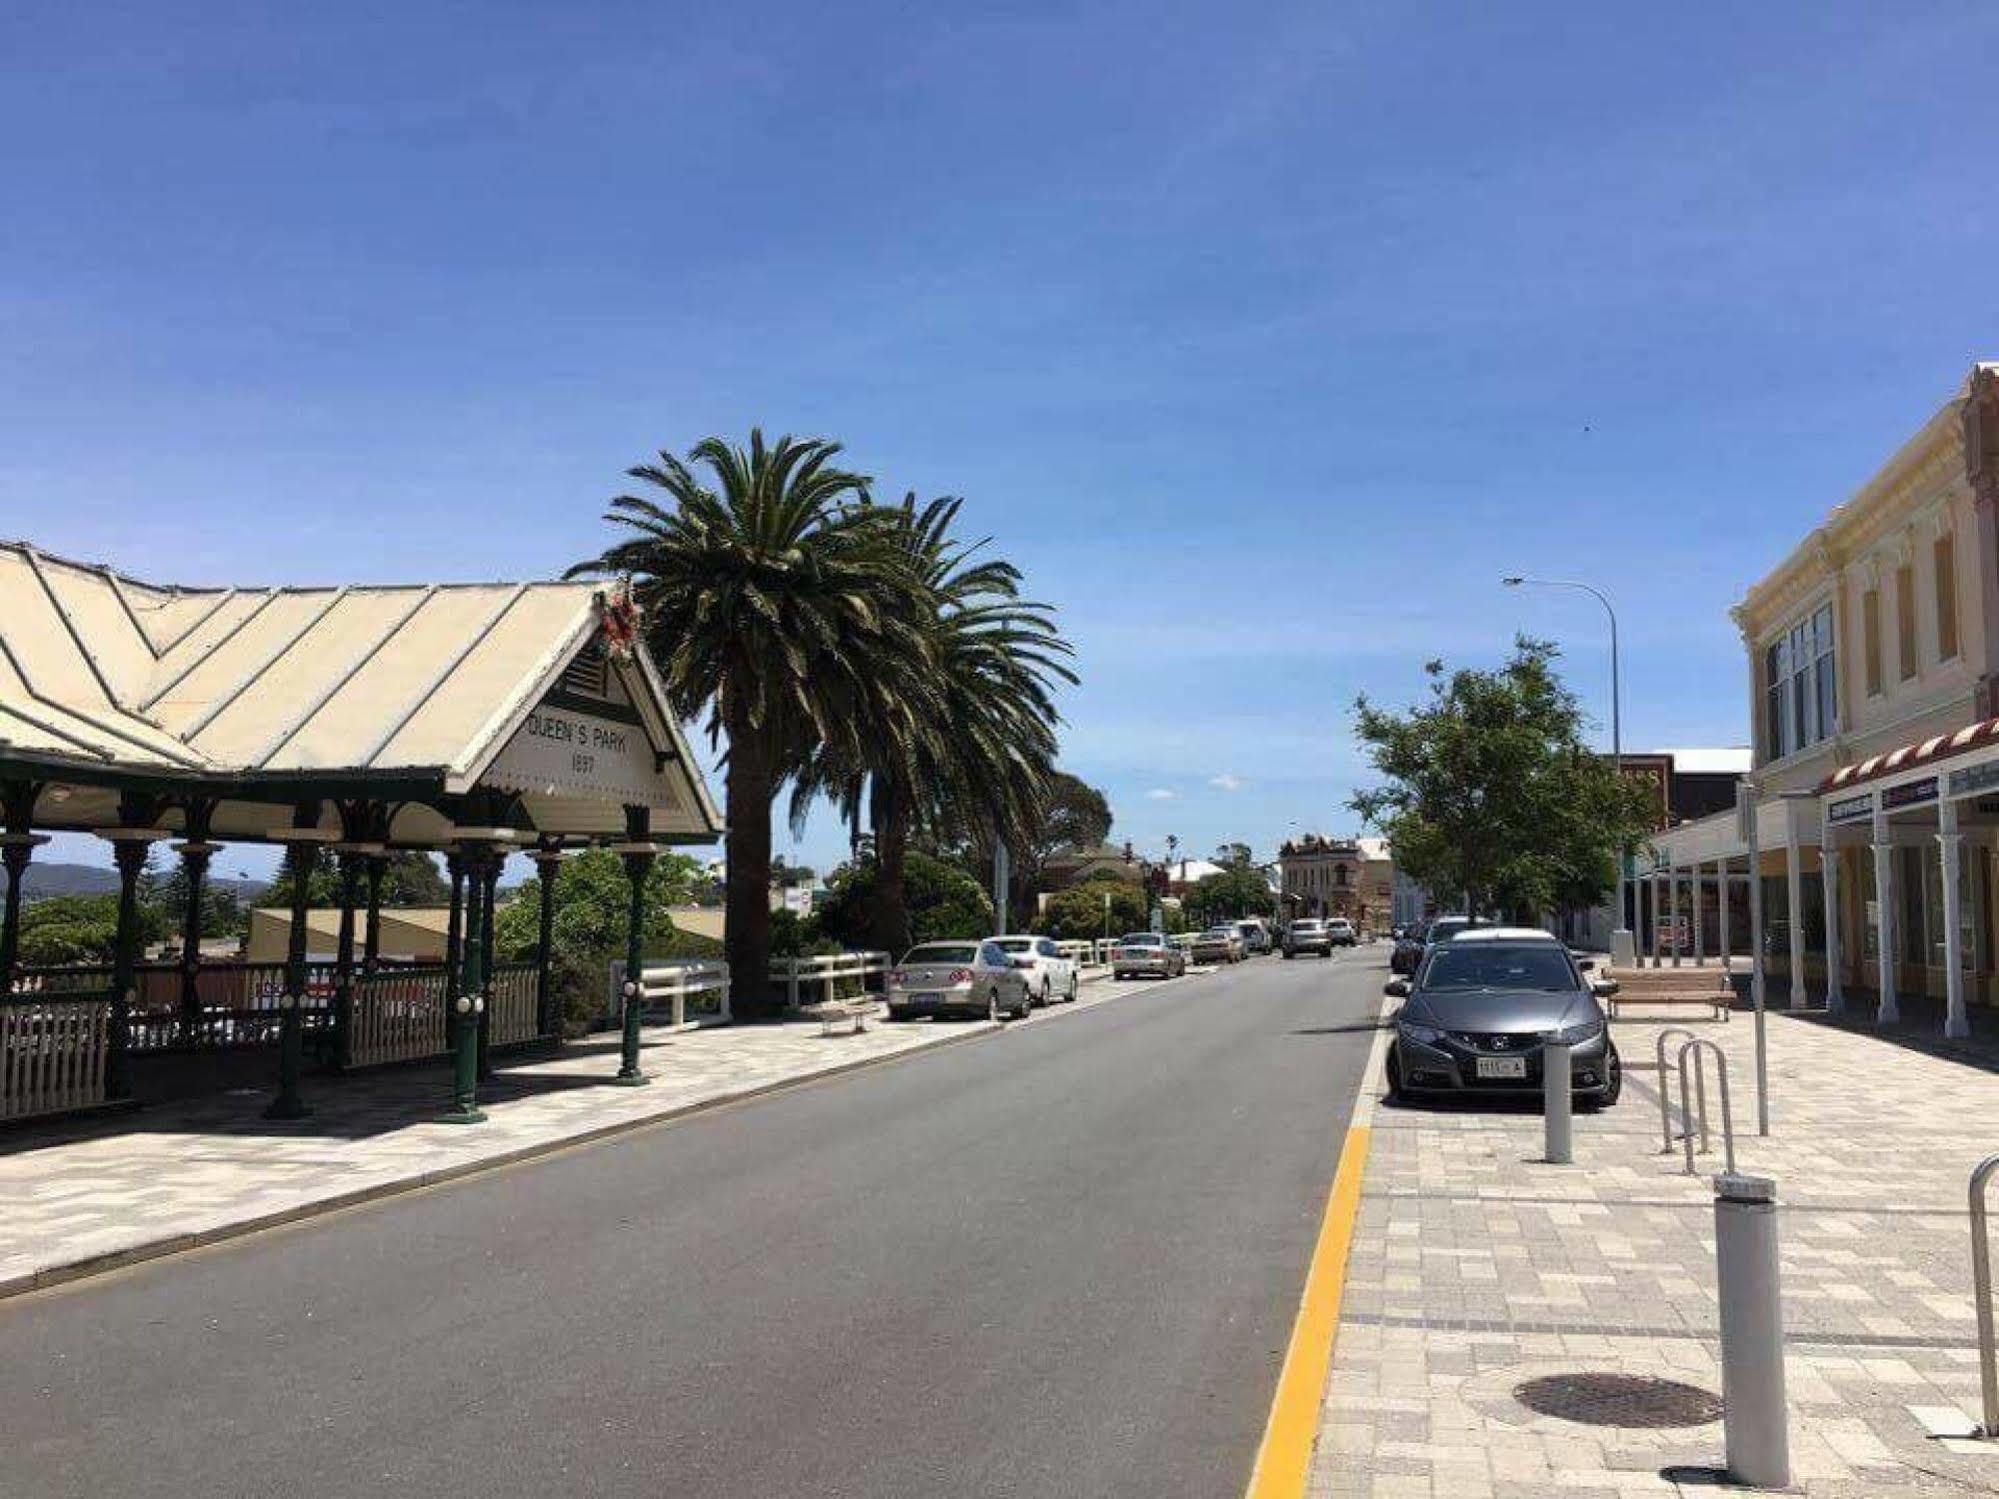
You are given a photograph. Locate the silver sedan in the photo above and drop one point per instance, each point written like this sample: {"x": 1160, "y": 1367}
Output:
{"x": 968, "y": 978}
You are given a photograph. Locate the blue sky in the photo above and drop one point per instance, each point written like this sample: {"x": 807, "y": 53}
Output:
{"x": 1265, "y": 337}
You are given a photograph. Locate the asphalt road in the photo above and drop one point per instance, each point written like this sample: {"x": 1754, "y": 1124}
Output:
{"x": 1060, "y": 1261}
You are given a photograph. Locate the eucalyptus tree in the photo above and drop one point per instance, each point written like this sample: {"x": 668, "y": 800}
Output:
{"x": 784, "y": 607}
{"x": 967, "y": 752}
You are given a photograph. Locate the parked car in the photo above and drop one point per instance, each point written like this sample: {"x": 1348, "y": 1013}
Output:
{"x": 1473, "y": 1019}
{"x": 1255, "y": 934}
{"x": 958, "y": 978}
{"x": 1341, "y": 931}
{"x": 1446, "y": 927}
{"x": 1050, "y": 976}
{"x": 1309, "y": 935}
{"x": 1147, "y": 953}
{"x": 1218, "y": 944}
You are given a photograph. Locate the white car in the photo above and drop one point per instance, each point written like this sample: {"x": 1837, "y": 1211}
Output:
{"x": 1050, "y": 976}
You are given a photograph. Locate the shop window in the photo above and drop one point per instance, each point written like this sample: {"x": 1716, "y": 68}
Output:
{"x": 1905, "y": 619}
{"x": 1944, "y": 555}
{"x": 1912, "y": 942}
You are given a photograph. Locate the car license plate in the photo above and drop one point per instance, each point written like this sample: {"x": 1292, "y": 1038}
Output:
{"x": 1502, "y": 1067}
{"x": 926, "y": 999}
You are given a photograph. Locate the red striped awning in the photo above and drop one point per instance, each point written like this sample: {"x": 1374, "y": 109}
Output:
{"x": 1913, "y": 756}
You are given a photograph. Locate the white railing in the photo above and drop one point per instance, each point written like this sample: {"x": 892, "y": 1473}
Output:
{"x": 673, "y": 983}
{"x": 398, "y": 1016}
{"x": 52, "y": 1055}
{"x": 513, "y": 1004}
{"x": 827, "y": 971}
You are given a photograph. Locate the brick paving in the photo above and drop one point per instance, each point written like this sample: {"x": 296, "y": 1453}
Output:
{"x": 1476, "y": 1266}
{"x": 171, "y": 1176}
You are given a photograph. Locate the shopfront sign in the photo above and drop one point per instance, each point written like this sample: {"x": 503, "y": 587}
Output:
{"x": 1974, "y": 778}
{"x": 1910, "y": 793}
{"x": 1851, "y": 808}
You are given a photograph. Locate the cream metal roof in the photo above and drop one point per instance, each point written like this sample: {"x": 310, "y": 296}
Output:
{"x": 428, "y": 682}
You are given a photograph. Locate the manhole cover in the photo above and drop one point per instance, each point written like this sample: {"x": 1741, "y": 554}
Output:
{"x": 1619, "y": 1400}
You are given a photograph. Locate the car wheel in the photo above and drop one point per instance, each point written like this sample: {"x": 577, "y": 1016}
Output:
{"x": 1038, "y": 1001}
{"x": 1074, "y": 983}
{"x": 1026, "y": 1006}
{"x": 1613, "y": 1080}
{"x": 1395, "y": 1077}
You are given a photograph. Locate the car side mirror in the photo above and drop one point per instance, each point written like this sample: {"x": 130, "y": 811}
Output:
{"x": 1396, "y": 988}
{"x": 1603, "y": 988}
{"x": 1585, "y": 964}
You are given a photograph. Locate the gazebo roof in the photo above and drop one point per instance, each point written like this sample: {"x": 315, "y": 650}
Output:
{"x": 425, "y": 684}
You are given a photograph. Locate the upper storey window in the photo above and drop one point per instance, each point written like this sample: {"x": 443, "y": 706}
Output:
{"x": 1800, "y": 686}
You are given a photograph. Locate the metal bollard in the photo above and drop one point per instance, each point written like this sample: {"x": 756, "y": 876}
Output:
{"x": 1981, "y": 1290}
{"x": 1754, "y": 1419}
{"x": 1556, "y": 1102}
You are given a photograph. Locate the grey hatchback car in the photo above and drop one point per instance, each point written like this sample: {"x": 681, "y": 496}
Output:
{"x": 1474, "y": 1018}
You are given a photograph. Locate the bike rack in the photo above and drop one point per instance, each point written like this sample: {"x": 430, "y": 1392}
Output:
{"x": 1665, "y": 1108}
{"x": 1698, "y": 1047}
{"x": 1981, "y": 1288}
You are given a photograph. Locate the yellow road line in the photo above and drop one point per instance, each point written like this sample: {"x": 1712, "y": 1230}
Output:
{"x": 1285, "y": 1458}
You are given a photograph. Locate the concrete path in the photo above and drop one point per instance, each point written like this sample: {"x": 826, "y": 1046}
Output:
{"x": 1478, "y": 1268}
{"x": 1062, "y": 1260}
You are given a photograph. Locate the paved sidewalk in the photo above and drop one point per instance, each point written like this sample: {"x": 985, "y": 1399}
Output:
{"x": 92, "y": 1195}
{"x": 1477, "y": 1267}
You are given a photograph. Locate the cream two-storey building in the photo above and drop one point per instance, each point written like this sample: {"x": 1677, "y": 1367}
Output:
{"x": 1872, "y": 654}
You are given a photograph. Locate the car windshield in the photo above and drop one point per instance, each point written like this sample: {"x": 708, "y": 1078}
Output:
{"x": 1307, "y": 927}
{"x": 1219, "y": 931}
{"x": 1142, "y": 939}
{"x": 1489, "y": 965}
{"x": 1017, "y": 944}
{"x": 943, "y": 952}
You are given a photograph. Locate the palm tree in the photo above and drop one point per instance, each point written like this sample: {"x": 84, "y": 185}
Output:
{"x": 968, "y": 752}
{"x": 780, "y": 604}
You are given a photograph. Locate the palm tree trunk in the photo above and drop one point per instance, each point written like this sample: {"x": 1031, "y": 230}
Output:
{"x": 890, "y": 815}
{"x": 748, "y": 788}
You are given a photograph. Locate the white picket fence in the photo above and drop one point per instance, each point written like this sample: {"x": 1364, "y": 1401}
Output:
{"x": 52, "y": 1055}
{"x": 826, "y": 972}
{"x": 513, "y": 1004}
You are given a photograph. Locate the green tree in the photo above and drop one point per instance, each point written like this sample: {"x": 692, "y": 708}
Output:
{"x": 1490, "y": 793}
{"x": 1078, "y": 912}
{"x": 782, "y": 607}
{"x": 409, "y": 878}
{"x": 592, "y": 911}
{"x": 1234, "y": 855}
{"x": 968, "y": 750}
{"x": 222, "y": 914}
{"x": 1236, "y": 892}
{"x": 943, "y": 902}
{"x": 78, "y": 929}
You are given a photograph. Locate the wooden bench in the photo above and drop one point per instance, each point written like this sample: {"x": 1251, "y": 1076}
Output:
{"x": 1652, "y": 986}
{"x": 830, "y": 1012}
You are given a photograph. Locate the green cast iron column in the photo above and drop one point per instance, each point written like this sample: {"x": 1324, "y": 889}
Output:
{"x": 489, "y": 889}
{"x": 638, "y": 857}
{"x": 466, "y": 1004}
{"x": 352, "y": 860}
{"x": 194, "y": 857}
{"x": 301, "y": 860}
{"x": 548, "y": 865}
{"x": 130, "y": 854}
{"x": 16, "y": 851}
{"x": 371, "y": 942}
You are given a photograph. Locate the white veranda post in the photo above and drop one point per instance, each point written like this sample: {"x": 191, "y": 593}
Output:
{"x": 1887, "y": 1011}
{"x": 1673, "y": 914}
{"x": 1835, "y": 993}
{"x": 1723, "y": 880}
{"x": 1950, "y": 846}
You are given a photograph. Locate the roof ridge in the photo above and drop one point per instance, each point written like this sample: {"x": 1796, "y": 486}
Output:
{"x": 103, "y": 570}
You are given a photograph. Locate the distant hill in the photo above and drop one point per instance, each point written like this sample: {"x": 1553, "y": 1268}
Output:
{"x": 47, "y": 879}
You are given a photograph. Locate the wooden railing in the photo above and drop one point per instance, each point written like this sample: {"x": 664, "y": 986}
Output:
{"x": 398, "y": 1015}
{"x": 53, "y": 1047}
{"x": 512, "y": 1008}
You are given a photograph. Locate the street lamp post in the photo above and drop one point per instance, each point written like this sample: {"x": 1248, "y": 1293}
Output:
{"x": 1623, "y": 952}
